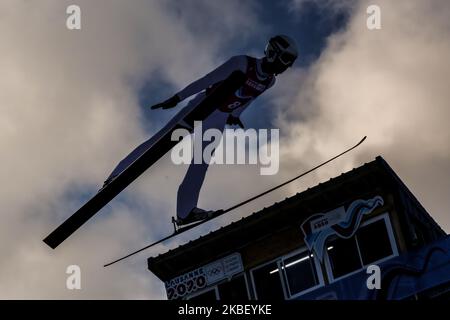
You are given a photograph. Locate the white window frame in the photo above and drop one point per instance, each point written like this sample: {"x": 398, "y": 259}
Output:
{"x": 278, "y": 262}
{"x": 233, "y": 277}
{"x": 247, "y": 284}
{"x": 390, "y": 232}
{"x": 318, "y": 271}
{"x": 283, "y": 277}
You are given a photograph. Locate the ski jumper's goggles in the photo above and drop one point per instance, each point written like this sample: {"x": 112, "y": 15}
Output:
{"x": 274, "y": 51}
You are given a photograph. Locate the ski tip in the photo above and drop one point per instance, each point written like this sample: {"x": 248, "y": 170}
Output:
{"x": 362, "y": 140}
{"x": 113, "y": 262}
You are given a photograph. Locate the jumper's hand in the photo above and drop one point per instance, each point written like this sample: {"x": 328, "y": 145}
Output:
{"x": 169, "y": 103}
{"x": 232, "y": 120}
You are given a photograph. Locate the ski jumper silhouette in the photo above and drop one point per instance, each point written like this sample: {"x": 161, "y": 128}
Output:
{"x": 280, "y": 54}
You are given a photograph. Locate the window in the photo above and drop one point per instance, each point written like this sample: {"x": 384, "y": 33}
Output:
{"x": 300, "y": 273}
{"x": 287, "y": 277}
{"x": 234, "y": 290}
{"x": 343, "y": 256}
{"x": 267, "y": 282}
{"x": 373, "y": 242}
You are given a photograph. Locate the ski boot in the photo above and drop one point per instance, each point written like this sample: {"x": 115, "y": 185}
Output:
{"x": 195, "y": 215}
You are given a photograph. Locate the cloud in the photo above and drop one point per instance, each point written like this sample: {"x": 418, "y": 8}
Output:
{"x": 389, "y": 84}
{"x": 70, "y": 112}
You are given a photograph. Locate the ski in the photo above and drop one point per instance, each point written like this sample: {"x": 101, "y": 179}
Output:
{"x": 141, "y": 164}
{"x": 240, "y": 204}
{"x": 177, "y": 231}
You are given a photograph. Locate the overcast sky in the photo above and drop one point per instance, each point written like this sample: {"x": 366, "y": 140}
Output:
{"x": 73, "y": 103}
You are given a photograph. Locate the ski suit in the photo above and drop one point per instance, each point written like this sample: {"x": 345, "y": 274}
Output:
{"x": 256, "y": 83}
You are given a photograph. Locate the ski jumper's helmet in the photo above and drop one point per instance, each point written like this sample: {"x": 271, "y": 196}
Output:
{"x": 281, "y": 49}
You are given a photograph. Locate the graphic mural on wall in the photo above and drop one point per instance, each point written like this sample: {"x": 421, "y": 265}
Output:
{"x": 343, "y": 223}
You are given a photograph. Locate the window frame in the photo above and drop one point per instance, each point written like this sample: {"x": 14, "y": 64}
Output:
{"x": 387, "y": 221}
{"x": 247, "y": 287}
{"x": 278, "y": 262}
{"x": 283, "y": 277}
{"x": 318, "y": 271}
